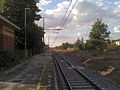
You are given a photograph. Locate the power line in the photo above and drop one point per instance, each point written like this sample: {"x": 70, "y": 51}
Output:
{"x": 69, "y": 13}
{"x": 64, "y": 21}
{"x": 54, "y": 40}
{"x": 65, "y": 13}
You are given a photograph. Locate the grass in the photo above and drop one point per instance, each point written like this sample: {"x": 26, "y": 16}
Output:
{"x": 104, "y": 63}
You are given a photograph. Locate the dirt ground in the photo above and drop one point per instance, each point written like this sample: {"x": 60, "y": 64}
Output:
{"x": 32, "y": 75}
{"x": 104, "y": 63}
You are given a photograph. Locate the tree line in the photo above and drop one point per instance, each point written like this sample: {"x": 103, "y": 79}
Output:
{"x": 98, "y": 39}
{"x": 14, "y": 10}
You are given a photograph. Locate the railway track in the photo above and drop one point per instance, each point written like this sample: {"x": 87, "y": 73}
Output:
{"x": 69, "y": 77}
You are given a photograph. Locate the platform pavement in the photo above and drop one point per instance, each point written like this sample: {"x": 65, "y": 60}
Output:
{"x": 31, "y": 75}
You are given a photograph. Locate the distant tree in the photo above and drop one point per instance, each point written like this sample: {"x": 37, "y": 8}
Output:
{"x": 99, "y": 35}
{"x": 85, "y": 46}
{"x": 80, "y": 47}
{"x": 82, "y": 40}
{"x": 77, "y": 43}
{"x": 64, "y": 46}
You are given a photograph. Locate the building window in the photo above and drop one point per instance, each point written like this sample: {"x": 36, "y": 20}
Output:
{"x": 9, "y": 31}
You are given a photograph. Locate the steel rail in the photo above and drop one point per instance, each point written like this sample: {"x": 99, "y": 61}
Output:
{"x": 81, "y": 73}
{"x": 68, "y": 83}
{"x": 58, "y": 73}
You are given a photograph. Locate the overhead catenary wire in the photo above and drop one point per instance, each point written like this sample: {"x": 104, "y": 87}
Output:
{"x": 63, "y": 19}
{"x": 69, "y": 13}
{"x": 65, "y": 13}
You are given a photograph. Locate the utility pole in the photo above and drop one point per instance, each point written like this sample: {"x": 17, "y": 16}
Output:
{"x": 43, "y": 34}
{"x": 26, "y": 32}
{"x": 48, "y": 41}
{"x": 43, "y": 29}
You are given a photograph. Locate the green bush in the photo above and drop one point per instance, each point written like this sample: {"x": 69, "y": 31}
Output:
{"x": 112, "y": 47}
{"x": 10, "y": 58}
{"x": 86, "y": 46}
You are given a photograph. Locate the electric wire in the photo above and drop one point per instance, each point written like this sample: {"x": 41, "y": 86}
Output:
{"x": 65, "y": 20}
{"x": 69, "y": 13}
{"x": 62, "y": 21}
{"x": 65, "y": 13}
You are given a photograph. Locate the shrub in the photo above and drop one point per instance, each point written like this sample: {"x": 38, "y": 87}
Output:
{"x": 10, "y": 58}
{"x": 86, "y": 46}
{"x": 112, "y": 47}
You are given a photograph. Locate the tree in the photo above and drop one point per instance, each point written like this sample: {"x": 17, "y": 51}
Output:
{"x": 77, "y": 43}
{"x": 112, "y": 47}
{"x": 99, "y": 35}
{"x": 34, "y": 39}
{"x": 64, "y": 46}
{"x": 14, "y": 10}
{"x": 2, "y": 6}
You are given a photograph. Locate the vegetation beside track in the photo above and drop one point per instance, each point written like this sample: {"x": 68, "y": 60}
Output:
{"x": 10, "y": 58}
{"x": 106, "y": 63}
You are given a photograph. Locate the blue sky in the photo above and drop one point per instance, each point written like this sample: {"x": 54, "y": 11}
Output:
{"x": 82, "y": 17}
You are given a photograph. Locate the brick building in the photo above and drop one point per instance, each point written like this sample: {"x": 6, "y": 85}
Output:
{"x": 7, "y": 30}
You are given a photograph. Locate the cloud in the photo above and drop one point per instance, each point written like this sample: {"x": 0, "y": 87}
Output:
{"x": 117, "y": 8}
{"x": 117, "y": 29}
{"x": 99, "y": 3}
{"x": 83, "y": 14}
{"x": 82, "y": 17}
{"x": 44, "y": 2}
{"x": 87, "y": 13}
{"x": 62, "y": 37}
{"x": 115, "y": 35}
{"x": 61, "y": 7}
{"x": 117, "y": 3}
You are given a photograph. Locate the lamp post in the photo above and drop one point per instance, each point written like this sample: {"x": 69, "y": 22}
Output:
{"x": 25, "y": 32}
{"x": 43, "y": 34}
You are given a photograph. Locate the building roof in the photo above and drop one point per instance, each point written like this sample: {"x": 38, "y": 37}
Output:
{"x": 9, "y": 22}
{"x": 116, "y": 40}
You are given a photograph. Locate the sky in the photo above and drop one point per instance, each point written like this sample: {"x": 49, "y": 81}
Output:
{"x": 80, "y": 21}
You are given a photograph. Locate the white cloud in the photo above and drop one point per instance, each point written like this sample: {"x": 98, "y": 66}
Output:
{"x": 115, "y": 35}
{"x": 78, "y": 34}
{"x": 117, "y": 8}
{"x": 81, "y": 18}
{"x": 117, "y": 29}
{"x": 61, "y": 7}
{"x": 116, "y": 3}
{"x": 99, "y": 3}
{"x": 63, "y": 4}
{"x": 75, "y": 11}
{"x": 88, "y": 12}
{"x": 44, "y": 2}
{"x": 83, "y": 14}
